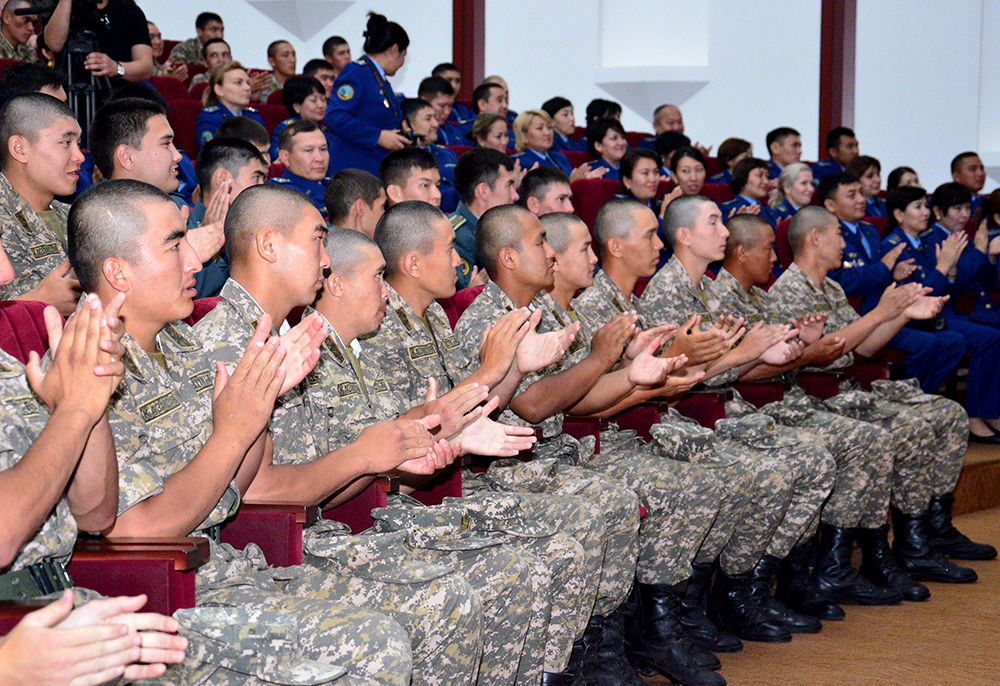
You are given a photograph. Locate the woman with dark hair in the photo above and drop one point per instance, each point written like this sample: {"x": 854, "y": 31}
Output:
{"x": 640, "y": 179}
{"x": 946, "y": 262}
{"x": 901, "y": 176}
{"x": 869, "y": 171}
{"x": 731, "y": 152}
{"x": 795, "y": 190}
{"x": 305, "y": 98}
{"x": 608, "y": 145}
{"x": 563, "y": 125}
{"x": 687, "y": 169}
{"x": 752, "y": 186}
{"x": 603, "y": 109}
{"x": 364, "y": 115}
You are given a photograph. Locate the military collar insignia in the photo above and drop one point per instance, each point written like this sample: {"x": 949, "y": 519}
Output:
{"x": 404, "y": 319}
{"x": 179, "y": 338}
{"x": 331, "y": 347}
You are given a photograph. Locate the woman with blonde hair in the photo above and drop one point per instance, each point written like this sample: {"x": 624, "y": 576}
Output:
{"x": 795, "y": 190}
{"x": 227, "y": 95}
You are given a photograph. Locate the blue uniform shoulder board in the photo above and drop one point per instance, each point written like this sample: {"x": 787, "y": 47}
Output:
{"x": 456, "y": 220}
{"x": 250, "y": 109}
{"x": 279, "y": 179}
{"x": 212, "y": 108}
{"x": 927, "y": 233}
{"x": 288, "y": 121}
{"x": 894, "y": 239}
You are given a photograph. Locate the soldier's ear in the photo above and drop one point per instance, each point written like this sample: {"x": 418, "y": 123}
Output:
{"x": 116, "y": 273}
{"x": 359, "y": 208}
{"x": 335, "y": 285}
{"x": 482, "y": 192}
{"x": 683, "y": 236}
{"x": 615, "y": 248}
{"x": 283, "y": 157}
{"x": 16, "y": 149}
{"x": 221, "y": 175}
{"x": 507, "y": 258}
{"x": 123, "y": 157}
{"x": 411, "y": 264}
{"x": 532, "y": 204}
{"x": 264, "y": 242}
{"x": 395, "y": 193}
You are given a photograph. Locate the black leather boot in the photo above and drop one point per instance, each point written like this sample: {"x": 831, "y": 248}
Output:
{"x": 731, "y": 608}
{"x": 838, "y": 580}
{"x": 950, "y": 541}
{"x": 557, "y": 679}
{"x": 655, "y": 644}
{"x": 879, "y": 566}
{"x": 773, "y": 609}
{"x": 698, "y": 628}
{"x": 604, "y": 661}
{"x": 578, "y": 657}
{"x": 911, "y": 546}
{"x": 797, "y": 589}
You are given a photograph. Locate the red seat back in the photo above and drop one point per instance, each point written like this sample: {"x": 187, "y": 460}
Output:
{"x": 589, "y": 195}
{"x": 182, "y": 115}
{"x": 640, "y": 286}
{"x": 193, "y": 71}
{"x": 276, "y": 170}
{"x": 275, "y": 98}
{"x": 272, "y": 115}
{"x": 458, "y": 303}
{"x": 712, "y": 166}
{"x": 357, "y": 512}
{"x": 781, "y": 246}
{"x": 719, "y": 192}
{"x": 635, "y": 137}
{"x": 577, "y": 157}
{"x": 169, "y": 88}
{"x": 459, "y": 149}
{"x": 198, "y": 90}
{"x": 6, "y": 64}
{"x": 22, "y": 328}
{"x": 168, "y": 47}
{"x": 880, "y": 223}
{"x": 665, "y": 187}
{"x": 202, "y": 306}
{"x": 579, "y": 133}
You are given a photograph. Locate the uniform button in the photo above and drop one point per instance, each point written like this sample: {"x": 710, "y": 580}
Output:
{"x": 330, "y": 412}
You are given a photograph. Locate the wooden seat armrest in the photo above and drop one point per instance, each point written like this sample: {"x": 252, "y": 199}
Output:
{"x": 304, "y": 515}
{"x": 389, "y": 483}
{"x": 186, "y": 553}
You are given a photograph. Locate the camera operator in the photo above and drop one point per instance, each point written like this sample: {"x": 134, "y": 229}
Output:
{"x": 121, "y": 33}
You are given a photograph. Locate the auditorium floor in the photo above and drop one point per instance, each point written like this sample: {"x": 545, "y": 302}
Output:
{"x": 950, "y": 640}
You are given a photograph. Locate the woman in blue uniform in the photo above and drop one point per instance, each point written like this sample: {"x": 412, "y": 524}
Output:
{"x": 564, "y": 125}
{"x": 607, "y": 143}
{"x": 227, "y": 95}
{"x": 795, "y": 190}
{"x": 869, "y": 170}
{"x": 687, "y": 169}
{"x": 751, "y": 185}
{"x": 731, "y": 152}
{"x": 364, "y": 114}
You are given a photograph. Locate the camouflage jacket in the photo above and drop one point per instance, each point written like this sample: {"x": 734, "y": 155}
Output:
{"x": 226, "y": 331}
{"x": 730, "y": 297}
{"x": 344, "y": 404}
{"x": 271, "y": 87}
{"x": 33, "y": 248}
{"x": 23, "y": 419}
{"x": 602, "y": 301}
{"x": 23, "y": 52}
{"x": 795, "y": 295}
{"x": 411, "y": 350}
{"x": 188, "y": 52}
{"x": 160, "y": 418}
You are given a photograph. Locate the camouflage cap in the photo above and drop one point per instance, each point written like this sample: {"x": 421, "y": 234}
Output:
{"x": 860, "y": 405}
{"x": 253, "y": 642}
{"x": 793, "y": 409}
{"x": 758, "y": 431}
{"x": 501, "y": 512}
{"x": 443, "y": 527}
{"x": 681, "y": 440}
{"x": 902, "y": 391}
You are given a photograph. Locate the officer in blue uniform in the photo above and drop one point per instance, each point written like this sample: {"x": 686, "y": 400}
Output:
{"x": 563, "y": 125}
{"x": 842, "y": 147}
{"x": 556, "y": 160}
{"x": 281, "y": 127}
{"x": 866, "y": 272}
{"x": 420, "y": 122}
{"x": 784, "y": 145}
{"x": 302, "y": 96}
{"x": 303, "y": 152}
{"x": 364, "y": 114}
{"x": 464, "y": 222}
{"x": 210, "y": 117}
{"x": 749, "y": 180}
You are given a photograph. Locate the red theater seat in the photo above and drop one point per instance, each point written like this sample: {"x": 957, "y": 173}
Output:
{"x": 275, "y": 98}
{"x": 712, "y": 166}
{"x": 577, "y": 157}
{"x": 198, "y": 90}
{"x": 781, "y": 246}
{"x": 182, "y": 115}
{"x": 169, "y": 88}
{"x": 880, "y": 223}
{"x": 22, "y": 328}
{"x": 275, "y": 170}
{"x": 589, "y": 195}
{"x": 635, "y": 137}
{"x": 272, "y": 115}
{"x": 193, "y": 71}
{"x": 459, "y": 149}
{"x": 719, "y": 192}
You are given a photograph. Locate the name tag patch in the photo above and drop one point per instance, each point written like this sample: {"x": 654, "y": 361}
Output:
{"x": 43, "y": 250}
{"x": 421, "y": 350}
{"x": 159, "y": 407}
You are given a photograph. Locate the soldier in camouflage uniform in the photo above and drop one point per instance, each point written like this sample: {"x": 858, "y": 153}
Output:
{"x": 34, "y": 234}
{"x": 206, "y": 25}
{"x": 301, "y": 472}
{"x": 15, "y": 33}
{"x": 184, "y": 458}
{"x": 930, "y": 431}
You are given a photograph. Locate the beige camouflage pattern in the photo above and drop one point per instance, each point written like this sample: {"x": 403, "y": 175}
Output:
{"x": 22, "y": 53}
{"x": 272, "y": 86}
{"x": 188, "y": 52}
{"x": 33, "y": 248}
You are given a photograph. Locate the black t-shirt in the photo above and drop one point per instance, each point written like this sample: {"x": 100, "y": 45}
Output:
{"x": 119, "y": 26}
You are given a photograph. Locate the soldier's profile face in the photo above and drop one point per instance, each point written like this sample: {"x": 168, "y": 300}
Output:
{"x": 760, "y": 258}
{"x": 54, "y": 157}
{"x": 423, "y": 185}
{"x": 708, "y": 235}
{"x": 367, "y": 292}
{"x": 537, "y": 259}
{"x": 161, "y": 283}
{"x": 641, "y": 248}
{"x": 558, "y": 198}
{"x": 438, "y": 274}
{"x": 157, "y": 159}
{"x": 375, "y": 212}
{"x": 831, "y": 244}
{"x": 253, "y": 174}
{"x": 302, "y": 257}
{"x": 575, "y": 265}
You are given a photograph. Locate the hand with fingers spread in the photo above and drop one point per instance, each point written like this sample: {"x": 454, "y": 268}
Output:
{"x": 242, "y": 402}
{"x": 456, "y": 409}
{"x": 949, "y": 251}
{"x": 71, "y": 382}
{"x": 500, "y": 341}
{"x": 539, "y": 350}
{"x": 895, "y": 299}
{"x": 810, "y": 327}
{"x": 824, "y": 352}
{"x": 301, "y": 344}
{"x": 59, "y": 288}
{"x": 892, "y": 256}
{"x": 649, "y": 370}
{"x": 981, "y": 240}
{"x": 93, "y": 644}
{"x": 585, "y": 171}
{"x": 700, "y": 347}
{"x": 487, "y": 437}
{"x": 676, "y": 385}
{"x": 641, "y": 341}
{"x": 608, "y": 344}
{"x": 209, "y": 238}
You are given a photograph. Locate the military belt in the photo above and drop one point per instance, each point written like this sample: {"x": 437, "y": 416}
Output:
{"x": 34, "y": 581}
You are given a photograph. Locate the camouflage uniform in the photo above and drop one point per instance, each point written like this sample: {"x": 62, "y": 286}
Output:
{"x": 272, "y": 86}
{"x": 498, "y": 575}
{"x": 561, "y": 593}
{"x": 930, "y": 433}
{"x": 188, "y": 52}
{"x": 31, "y": 244}
{"x": 23, "y": 52}
{"x": 198, "y": 78}
{"x": 411, "y": 350}
{"x": 671, "y": 298}
{"x": 160, "y": 418}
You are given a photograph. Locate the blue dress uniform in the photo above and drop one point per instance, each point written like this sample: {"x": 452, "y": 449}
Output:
{"x": 446, "y": 160}
{"x": 361, "y": 106}
{"x": 823, "y": 168}
{"x": 773, "y": 170}
{"x": 561, "y": 142}
{"x": 464, "y": 222}
{"x": 556, "y": 160}
{"x": 977, "y": 202}
{"x": 929, "y": 356}
{"x": 743, "y": 201}
{"x": 281, "y": 127}
{"x": 783, "y": 211}
{"x": 875, "y": 207}
{"x": 982, "y": 342}
{"x": 975, "y": 275}
{"x": 649, "y": 142}
{"x": 209, "y": 119}
{"x": 313, "y": 189}
{"x": 724, "y": 176}
{"x": 612, "y": 171}
{"x": 460, "y": 112}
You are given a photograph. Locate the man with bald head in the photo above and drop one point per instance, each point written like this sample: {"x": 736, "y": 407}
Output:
{"x": 40, "y": 159}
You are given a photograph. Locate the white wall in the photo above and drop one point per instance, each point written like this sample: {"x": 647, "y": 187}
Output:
{"x": 307, "y": 23}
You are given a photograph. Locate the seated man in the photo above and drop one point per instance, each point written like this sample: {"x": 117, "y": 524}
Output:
{"x": 249, "y": 130}
{"x": 355, "y": 199}
{"x": 498, "y": 80}
{"x": 278, "y": 262}
{"x": 186, "y": 453}
{"x": 303, "y": 98}
{"x": 225, "y": 168}
{"x": 304, "y": 151}
{"x": 921, "y": 503}
{"x": 40, "y": 159}
{"x": 419, "y": 120}
{"x": 322, "y": 71}
{"x": 967, "y": 169}
{"x": 841, "y": 148}
{"x": 665, "y": 118}
{"x": 484, "y": 179}
{"x": 544, "y": 190}
{"x": 439, "y": 93}
{"x": 281, "y": 57}
{"x": 173, "y": 70}
{"x": 487, "y": 97}
{"x": 215, "y": 51}
{"x": 453, "y": 75}
{"x": 337, "y": 53}
{"x": 207, "y": 25}
{"x": 15, "y": 32}
{"x": 410, "y": 174}
{"x": 785, "y": 147}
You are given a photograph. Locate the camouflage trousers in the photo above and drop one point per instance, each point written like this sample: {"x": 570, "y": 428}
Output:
{"x": 513, "y": 628}
{"x": 553, "y": 472}
{"x": 374, "y": 648}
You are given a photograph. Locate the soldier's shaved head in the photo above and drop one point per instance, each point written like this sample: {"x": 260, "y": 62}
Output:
{"x": 744, "y": 230}
{"x": 682, "y": 213}
{"x": 407, "y": 227}
{"x": 805, "y": 220}
{"x": 498, "y": 228}
{"x": 347, "y": 249}
{"x": 558, "y": 229}
{"x": 615, "y": 219}
{"x": 108, "y": 220}
{"x": 271, "y": 206}
{"x": 26, "y": 115}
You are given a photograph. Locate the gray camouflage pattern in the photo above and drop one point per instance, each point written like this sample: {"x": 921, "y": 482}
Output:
{"x": 33, "y": 248}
